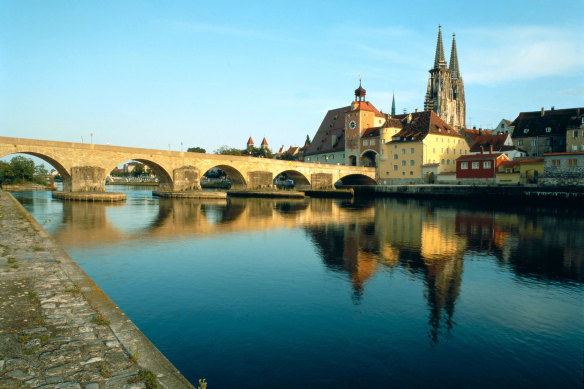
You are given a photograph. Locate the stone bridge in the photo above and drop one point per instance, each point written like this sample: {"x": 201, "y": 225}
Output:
{"x": 84, "y": 167}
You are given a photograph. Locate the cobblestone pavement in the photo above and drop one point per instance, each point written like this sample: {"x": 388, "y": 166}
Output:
{"x": 50, "y": 335}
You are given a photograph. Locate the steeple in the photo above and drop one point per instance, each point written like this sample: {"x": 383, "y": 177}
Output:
{"x": 360, "y": 92}
{"x": 393, "y": 105}
{"x": 454, "y": 72}
{"x": 439, "y": 61}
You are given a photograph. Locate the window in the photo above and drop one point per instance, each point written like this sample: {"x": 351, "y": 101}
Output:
{"x": 448, "y": 150}
{"x": 403, "y": 151}
{"x": 487, "y": 165}
{"x": 575, "y": 148}
{"x": 525, "y": 130}
{"x": 411, "y": 173}
{"x": 555, "y": 162}
{"x": 394, "y": 167}
{"x": 464, "y": 165}
{"x": 395, "y": 156}
{"x": 575, "y": 133}
{"x": 548, "y": 130}
{"x": 442, "y": 161}
{"x": 534, "y": 142}
{"x": 412, "y": 150}
{"x": 403, "y": 163}
{"x": 475, "y": 165}
{"x": 412, "y": 162}
{"x": 548, "y": 142}
{"x": 572, "y": 162}
{"x": 448, "y": 162}
{"x": 372, "y": 143}
{"x": 365, "y": 143}
{"x": 520, "y": 143}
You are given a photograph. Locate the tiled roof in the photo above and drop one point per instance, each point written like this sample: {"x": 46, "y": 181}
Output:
{"x": 506, "y": 164}
{"x": 488, "y": 140}
{"x": 392, "y": 122}
{"x": 250, "y": 141}
{"x": 366, "y": 106}
{"x": 474, "y": 157}
{"x": 372, "y": 132}
{"x": 535, "y": 124}
{"x": 333, "y": 125}
{"x": 422, "y": 124}
{"x": 566, "y": 153}
{"x": 264, "y": 142}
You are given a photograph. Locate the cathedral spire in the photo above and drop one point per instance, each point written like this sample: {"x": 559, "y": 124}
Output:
{"x": 455, "y": 73}
{"x": 439, "y": 61}
{"x": 393, "y": 105}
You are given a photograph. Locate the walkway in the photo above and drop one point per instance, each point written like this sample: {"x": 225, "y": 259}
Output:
{"x": 57, "y": 327}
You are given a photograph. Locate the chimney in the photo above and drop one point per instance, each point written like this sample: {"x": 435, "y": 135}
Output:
{"x": 409, "y": 118}
{"x": 416, "y": 110}
{"x": 542, "y": 111}
{"x": 491, "y": 149}
{"x": 482, "y": 149}
{"x": 553, "y": 108}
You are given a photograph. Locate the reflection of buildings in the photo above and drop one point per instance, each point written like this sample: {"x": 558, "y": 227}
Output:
{"x": 425, "y": 240}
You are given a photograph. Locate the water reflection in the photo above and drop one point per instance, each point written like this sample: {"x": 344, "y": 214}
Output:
{"x": 357, "y": 239}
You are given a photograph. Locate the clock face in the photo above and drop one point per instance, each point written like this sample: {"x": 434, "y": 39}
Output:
{"x": 352, "y": 125}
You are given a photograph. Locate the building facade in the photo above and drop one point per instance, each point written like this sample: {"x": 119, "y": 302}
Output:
{"x": 544, "y": 131}
{"x": 420, "y": 140}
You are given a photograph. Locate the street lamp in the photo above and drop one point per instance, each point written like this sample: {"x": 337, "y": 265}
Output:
{"x": 181, "y": 146}
{"x": 82, "y": 139}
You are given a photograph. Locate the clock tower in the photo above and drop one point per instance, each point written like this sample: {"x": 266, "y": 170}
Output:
{"x": 360, "y": 116}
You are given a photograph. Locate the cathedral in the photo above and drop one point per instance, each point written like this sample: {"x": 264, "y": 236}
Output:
{"x": 445, "y": 93}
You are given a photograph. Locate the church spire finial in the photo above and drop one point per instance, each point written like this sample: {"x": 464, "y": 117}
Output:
{"x": 454, "y": 71}
{"x": 393, "y": 105}
{"x": 439, "y": 61}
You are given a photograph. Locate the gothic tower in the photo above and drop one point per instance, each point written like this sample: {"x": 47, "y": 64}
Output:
{"x": 445, "y": 93}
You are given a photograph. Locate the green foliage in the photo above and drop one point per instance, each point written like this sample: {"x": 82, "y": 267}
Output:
{"x": 146, "y": 376}
{"x": 21, "y": 170}
{"x": 307, "y": 142}
{"x": 196, "y": 150}
{"x": 226, "y": 150}
{"x": 202, "y": 384}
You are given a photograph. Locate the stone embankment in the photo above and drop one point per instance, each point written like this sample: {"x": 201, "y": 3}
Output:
{"x": 58, "y": 330}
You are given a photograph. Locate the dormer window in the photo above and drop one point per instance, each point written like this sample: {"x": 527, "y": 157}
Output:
{"x": 526, "y": 130}
{"x": 548, "y": 130}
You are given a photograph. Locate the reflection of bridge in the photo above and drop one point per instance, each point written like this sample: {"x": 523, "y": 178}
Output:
{"x": 85, "y": 166}
{"x": 174, "y": 218}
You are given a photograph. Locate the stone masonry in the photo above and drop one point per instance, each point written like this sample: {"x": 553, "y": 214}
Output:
{"x": 57, "y": 328}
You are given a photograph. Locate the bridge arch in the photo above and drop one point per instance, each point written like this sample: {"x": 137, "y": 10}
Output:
{"x": 357, "y": 179}
{"x": 63, "y": 172}
{"x": 164, "y": 176}
{"x": 237, "y": 179}
{"x": 300, "y": 180}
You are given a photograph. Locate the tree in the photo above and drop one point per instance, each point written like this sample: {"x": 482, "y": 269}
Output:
{"x": 226, "y": 150}
{"x": 196, "y": 150}
{"x": 138, "y": 170}
{"x": 22, "y": 170}
{"x": 307, "y": 142}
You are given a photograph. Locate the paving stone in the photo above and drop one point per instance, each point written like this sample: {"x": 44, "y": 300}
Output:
{"x": 92, "y": 385}
{"x": 19, "y": 375}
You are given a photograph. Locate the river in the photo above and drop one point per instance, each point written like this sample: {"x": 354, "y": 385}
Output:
{"x": 322, "y": 293}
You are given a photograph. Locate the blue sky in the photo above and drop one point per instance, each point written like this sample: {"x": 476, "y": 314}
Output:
{"x": 153, "y": 74}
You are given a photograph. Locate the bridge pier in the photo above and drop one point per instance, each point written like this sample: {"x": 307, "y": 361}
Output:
{"x": 259, "y": 180}
{"x": 185, "y": 179}
{"x": 321, "y": 181}
{"x": 85, "y": 179}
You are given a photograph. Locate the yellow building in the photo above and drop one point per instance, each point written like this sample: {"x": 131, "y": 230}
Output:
{"x": 419, "y": 139}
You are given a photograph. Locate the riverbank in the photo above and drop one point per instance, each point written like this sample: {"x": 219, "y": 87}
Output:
{"x": 524, "y": 195}
{"x": 25, "y": 187}
{"x": 57, "y": 327}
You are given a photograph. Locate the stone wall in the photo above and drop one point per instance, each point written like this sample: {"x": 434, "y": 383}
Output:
{"x": 321, "y": 180}
{"x": 259, "y": 179}
{"x": 562, "y": 176}
{"x": 87, "y": 179}
{"x": 186, "y": 178}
